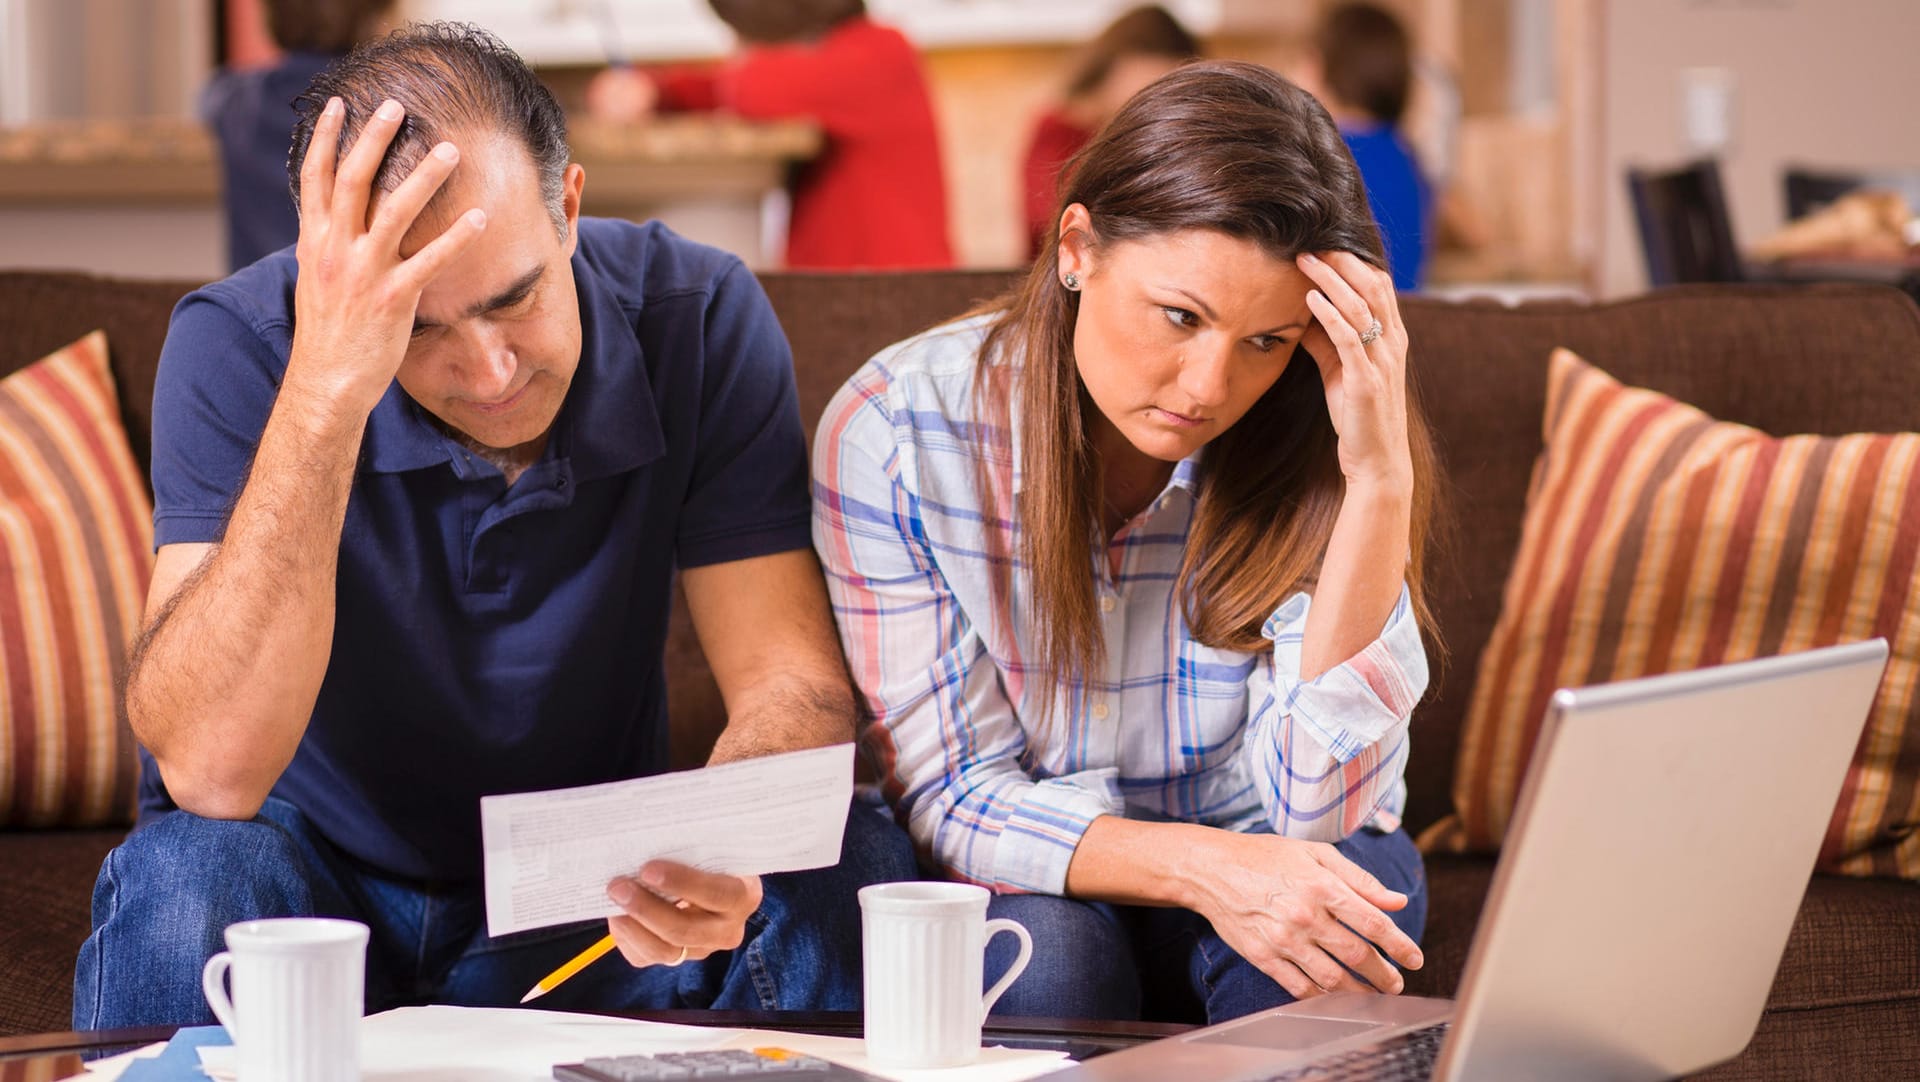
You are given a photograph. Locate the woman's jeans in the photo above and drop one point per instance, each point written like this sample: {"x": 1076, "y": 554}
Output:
{"x": 1093, "y": 960}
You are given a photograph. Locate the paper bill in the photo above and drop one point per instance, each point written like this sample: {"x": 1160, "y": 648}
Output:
{"x": 550, "y": 855}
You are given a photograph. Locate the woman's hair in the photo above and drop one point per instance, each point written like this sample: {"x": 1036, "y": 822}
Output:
{"x": 1147, "y": 30}
{"x": 1367, "y": 60}
{"x": 771, "y": 22}
{"x": 1235, "y": 149}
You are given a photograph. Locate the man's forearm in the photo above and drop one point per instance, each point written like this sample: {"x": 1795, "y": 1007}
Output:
{"x": 787, "y": 711}
{"x": 225, "y": 677}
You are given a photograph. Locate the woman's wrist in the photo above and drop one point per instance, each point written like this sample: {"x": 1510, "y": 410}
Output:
{"x": 1386, "y": 484}
{"x": 1187, "y": 872}
{"x": 1135, "y": 862}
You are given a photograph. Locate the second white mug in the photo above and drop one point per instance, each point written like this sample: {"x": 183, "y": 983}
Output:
{"x": 924, "y": 946}
{"x": 299, "y": 988}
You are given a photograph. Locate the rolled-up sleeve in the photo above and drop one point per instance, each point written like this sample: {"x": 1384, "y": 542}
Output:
{"x": 1328, "y": 755}
{"x": 945, "y": 735}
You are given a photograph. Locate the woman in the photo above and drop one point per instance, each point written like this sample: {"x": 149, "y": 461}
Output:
{"x": 1135, "y": 49}
{"x": 1131, "y": 585}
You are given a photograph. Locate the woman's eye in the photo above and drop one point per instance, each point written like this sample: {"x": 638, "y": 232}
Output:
{"x": 1267, "y": 343}
{"x": 1180, "y": 317}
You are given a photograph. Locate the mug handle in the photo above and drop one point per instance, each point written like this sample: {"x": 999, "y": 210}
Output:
{"x": 1019, "y": 966}
{"x": 213, "y": 981}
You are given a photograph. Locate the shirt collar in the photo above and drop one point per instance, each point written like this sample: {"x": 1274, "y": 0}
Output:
{"x": 607, "y": 425}
{"x": 1186, "y": 472}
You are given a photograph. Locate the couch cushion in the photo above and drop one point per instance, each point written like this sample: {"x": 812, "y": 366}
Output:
{"x": 44, "y": 900}
{"x": 1855, "y": 940}
{"x": 44, "y": 310}
{"x": 1767, "y": 356}
{"x": 76, "y": 551}
{"x": 1847, "y": 990}
{"x": 1657, "y": 539}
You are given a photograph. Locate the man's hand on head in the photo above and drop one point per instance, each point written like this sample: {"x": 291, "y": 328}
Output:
{"x": 355, "y": 300}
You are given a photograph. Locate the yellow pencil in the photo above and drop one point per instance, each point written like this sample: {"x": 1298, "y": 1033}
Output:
{"x": 580, "y": 961}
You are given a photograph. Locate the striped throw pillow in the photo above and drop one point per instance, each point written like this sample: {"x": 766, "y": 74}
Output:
{"x": 1658, "y": 539}
{"x": 76, "y": 551}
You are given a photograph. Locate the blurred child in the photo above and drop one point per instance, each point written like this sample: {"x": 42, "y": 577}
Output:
{"x": 1363, "y": 75}
{"x": 1134, "y": 50}
{"x": 250, "y": 112}
{"x": 876, "y": 195}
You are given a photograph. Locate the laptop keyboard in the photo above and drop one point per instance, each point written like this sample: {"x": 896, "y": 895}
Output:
{"x": 1404, "y": 1057}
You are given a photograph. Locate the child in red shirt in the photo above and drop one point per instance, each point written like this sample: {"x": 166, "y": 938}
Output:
{"x": 876, "y": 195}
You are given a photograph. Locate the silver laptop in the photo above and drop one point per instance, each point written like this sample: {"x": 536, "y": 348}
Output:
{"x": 1660, "y": 847}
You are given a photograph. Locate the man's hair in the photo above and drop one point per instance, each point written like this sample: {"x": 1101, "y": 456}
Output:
{"x": 772, "y": 22}
{"x": 1148, "y": 30}
{"x": 322, "y": 26}
{"x": 1368, "y": 60}
{"x": 452, "y": 78}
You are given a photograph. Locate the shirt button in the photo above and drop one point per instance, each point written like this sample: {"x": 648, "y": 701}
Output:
{"x": 1100, "y": 711}
{"x": 1106, "y": 604}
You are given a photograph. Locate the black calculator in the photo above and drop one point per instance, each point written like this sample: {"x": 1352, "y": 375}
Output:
{"x": 774, "y": 1064}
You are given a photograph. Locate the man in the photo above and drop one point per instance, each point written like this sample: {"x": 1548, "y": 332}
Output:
{"x": 421, "y": 485}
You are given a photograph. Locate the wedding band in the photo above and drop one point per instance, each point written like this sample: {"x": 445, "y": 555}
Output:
{"x": 1372, "y": 332}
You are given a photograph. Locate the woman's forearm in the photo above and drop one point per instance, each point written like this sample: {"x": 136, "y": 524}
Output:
{"x": 1130, "y": 862}
{"x": 1362, "y": 575}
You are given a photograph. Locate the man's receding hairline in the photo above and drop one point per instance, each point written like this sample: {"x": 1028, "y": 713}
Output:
{"x": 447, "y": 202}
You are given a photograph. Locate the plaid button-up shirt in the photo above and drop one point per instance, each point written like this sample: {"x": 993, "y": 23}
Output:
{"x": 1170, "y": 729}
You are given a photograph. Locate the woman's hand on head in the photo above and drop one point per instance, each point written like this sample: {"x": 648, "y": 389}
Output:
{"x": 1366, "y": 381}
{"x": 1304, "y": 914}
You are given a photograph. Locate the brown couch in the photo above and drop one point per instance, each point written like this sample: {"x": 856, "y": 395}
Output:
{"x": 1826, "y": 359}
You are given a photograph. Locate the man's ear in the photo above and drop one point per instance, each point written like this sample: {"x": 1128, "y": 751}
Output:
{"x": 572, "y": 183}
{"x": 1077, "y": 242}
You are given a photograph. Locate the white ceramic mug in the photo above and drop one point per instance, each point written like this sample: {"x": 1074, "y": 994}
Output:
{"x": 924, "y": 946}
{"x": 299, "y": 988}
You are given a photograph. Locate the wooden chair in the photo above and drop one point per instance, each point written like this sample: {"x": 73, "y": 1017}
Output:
{"x": 1685, "y": 231}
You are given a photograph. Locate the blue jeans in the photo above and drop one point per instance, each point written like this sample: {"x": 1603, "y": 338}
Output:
{"x": 165, "y": 896}
{"x": 1093, "y": 960}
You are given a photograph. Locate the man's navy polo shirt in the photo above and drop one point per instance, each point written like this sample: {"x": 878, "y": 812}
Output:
{"x": 495, "y": 640}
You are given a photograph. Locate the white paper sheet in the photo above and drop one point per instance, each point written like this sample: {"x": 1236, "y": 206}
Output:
{"x": 112, "y": 1067}
{"x": 489, "y": 1044}
{"x": 481, "y": 1044}
{"x": 996, "y": 1063}
{"x": 550, "y": 855}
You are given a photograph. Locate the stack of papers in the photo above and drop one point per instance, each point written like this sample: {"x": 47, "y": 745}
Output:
{"x": 487, "y": 1044}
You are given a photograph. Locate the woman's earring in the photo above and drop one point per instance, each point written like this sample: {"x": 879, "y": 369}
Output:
{"x": 1071, "y": 281}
